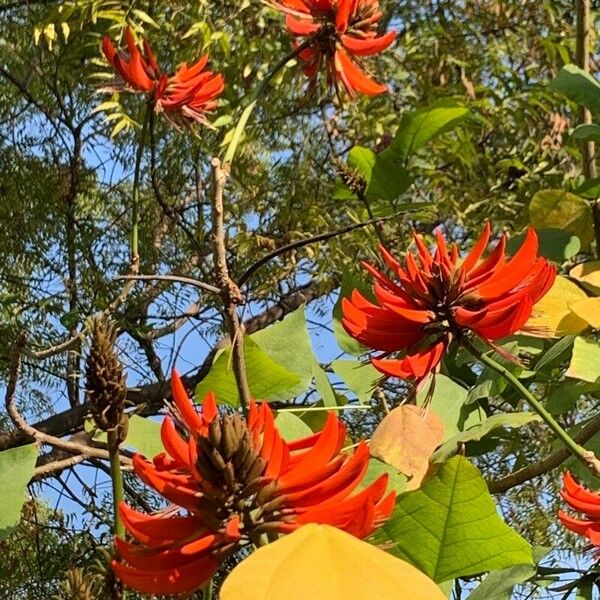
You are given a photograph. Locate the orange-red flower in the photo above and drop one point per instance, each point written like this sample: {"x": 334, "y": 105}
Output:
{"x": 232, "y": 480}
{"x": 435, "y": 298}
{"x": 190, "y": 93}
{"x": 338, "y": 32}
{"x": 582, "y": 500}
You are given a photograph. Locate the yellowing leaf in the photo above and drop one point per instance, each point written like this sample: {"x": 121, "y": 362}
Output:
{"x": 406, "y": 439}
{"x": 319, "y": 562}
{"x": 588, "y": 274}
{"x": 553, "y": 315}
{"x": 588, "y": 310}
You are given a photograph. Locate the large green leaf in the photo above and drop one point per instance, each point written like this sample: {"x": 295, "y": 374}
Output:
{"x": 361, "y": 378}
{"x": 144, "y": 436}
{"x": 267, "y": 379}
{"x": 498, "y": 585}
{"x": 585, "y": 361}
{"x": 16, "y": 468}
{"x": 480, "y": 430}
{"x": 587, "y": 132}
{"x": 450, "y": 526}
{"x": 578, "y": 86}
{"x": 385, "y": 178}
{"x": 419, "y": 127}
{"x": 557, "y": 209}
{"x": 279, "y": 364}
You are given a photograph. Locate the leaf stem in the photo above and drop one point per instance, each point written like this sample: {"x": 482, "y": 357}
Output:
{"x": 575, "y": 449}
{"x": 135, "y": 193}
{"x": 117, "y": 480}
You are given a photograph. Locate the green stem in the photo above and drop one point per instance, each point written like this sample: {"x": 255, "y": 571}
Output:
{"x": 135, "y": 194}
{"x": 207, "y": 592}
{"x": 241, "y": 124}
{"x": 117, "y": 481}
{"x": 575, "y": 449}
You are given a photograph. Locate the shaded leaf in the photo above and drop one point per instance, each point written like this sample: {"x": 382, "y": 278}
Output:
{"x": 361, "y": 378}
{"x": 377, "y": 468}
{"x": 498, "y": 585}
{"x": 419, "y": 127}
{"x": 319, "y": 561}
{"x": 477, "y": 432}
{"x": 555, "y": 244}
{"x": 579, "y": 86}
{"x": 557, "y": 209}
{"x": 450, "y": 526}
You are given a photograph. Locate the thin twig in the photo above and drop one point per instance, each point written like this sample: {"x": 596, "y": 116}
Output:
{"x": 207, "y": 287}
{"x": 230, "y": 292}
{"x": 312, "y": 240}
{"x": 36, "y": 435}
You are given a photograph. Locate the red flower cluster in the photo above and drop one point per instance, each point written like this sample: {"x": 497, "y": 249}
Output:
{"x": 338, "y": 31}
{"x": 234, "y": 480}
{"x": 190, "y": 92}
{"x": 435, "y": 298}
{"x": 582, "y": 500}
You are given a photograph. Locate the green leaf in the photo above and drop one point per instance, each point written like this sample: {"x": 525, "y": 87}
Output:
{"x": 477, "y": 432}
{"x": 385, "y": 179}
{"x": 360, "y": 378}
{"x": 419, "y": 127}
{"x": 16, "y": 469}
{"x": 279, "y": 364}
{"x": 578, "y": 86}
{"x": 555, "y": 244}
{"x": 287, "y": 342}
{"x": 377, "y": 468}
{"x": 589, "y": 189}
{"x": 450, "y": 527}
{"x": 323, "y": 385}
{"x": 291, "y": 427}
{"x": 556, "y": 353}
{"x": 448, "y": 402}
{"x": 587, "y": 132}
{"x": 498, "y": 585}
{"x": 557, "y": 209}
{"x": 585, "y": 361}
{"x": 566, "y": 395}
{"x": 267, "y": 379}
{"x": 144, "y": 435}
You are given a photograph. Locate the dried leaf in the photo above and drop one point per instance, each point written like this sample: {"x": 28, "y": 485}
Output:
{"x": 406, "y": 439}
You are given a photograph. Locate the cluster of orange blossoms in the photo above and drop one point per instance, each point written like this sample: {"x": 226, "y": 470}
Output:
{"x": 190, "y": 92}
{"x": 232, "y": 480}
{"x": 437, "y": 298}
{"x": 585, "y": 501}
{"x": 335, "y": 33}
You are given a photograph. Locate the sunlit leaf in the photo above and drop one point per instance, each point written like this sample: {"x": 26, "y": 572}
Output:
{"x": 291, "y": 427}
{"x": 557, "y": 209}
{"x": 360, "y": 377}
{"x": 144, "y": 436}
{"x": 406, "y": 439}
{"x": 588, "y": 274}
{"x": 450, "y": 527}
{"x": 16, "y": 469}
{"x": 585, "y": 361}
{"x": 553, "y": 314}
{"x": 318, "y": 561}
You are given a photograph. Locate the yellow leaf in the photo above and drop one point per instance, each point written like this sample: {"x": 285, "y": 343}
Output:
{"x": 319, "y": 562}
{"x": 588, "y": 274}
{"x": 406, "y": 439}
{"x": 588, "y": 310}
{"x": 553, "y": 315}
